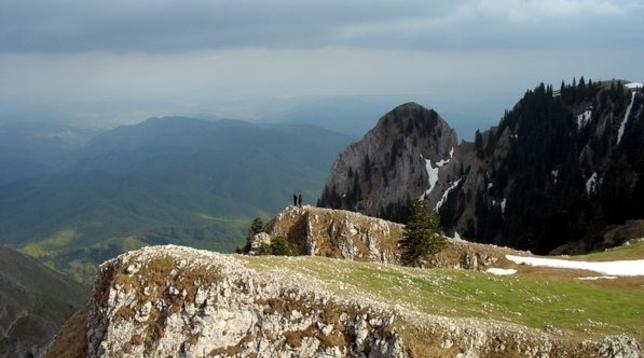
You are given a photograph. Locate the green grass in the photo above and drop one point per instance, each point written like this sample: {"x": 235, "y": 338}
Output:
{"x": 78, "y": 253}
{"x": 51, "y": 245}
{"x": 628, "y": 252}
{"x": 527, "y": 300}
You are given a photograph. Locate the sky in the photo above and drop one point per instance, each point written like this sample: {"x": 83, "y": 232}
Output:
{"x": 125, "y": 60}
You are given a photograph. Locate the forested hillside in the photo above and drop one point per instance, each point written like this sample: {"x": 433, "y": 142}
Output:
{"x": 561, "y": 167}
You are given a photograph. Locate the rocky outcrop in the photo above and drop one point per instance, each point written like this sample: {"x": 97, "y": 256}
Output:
{"x": 560, "y": 166}
{"x": 181, "y": 302}
{"x": 334, "y": 233}
{"x": 354, "y": 236}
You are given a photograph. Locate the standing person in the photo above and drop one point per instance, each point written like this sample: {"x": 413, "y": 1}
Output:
{"x": 294, "y": 199}
{"x": 299, "y": 199}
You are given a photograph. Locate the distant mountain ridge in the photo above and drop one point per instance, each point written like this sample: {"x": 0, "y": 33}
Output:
{"x": 165, "y": 180}
{"x": 560, "y": 167}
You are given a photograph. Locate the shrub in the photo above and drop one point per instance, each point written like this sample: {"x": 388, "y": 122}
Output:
{"x": 278, "y": 247}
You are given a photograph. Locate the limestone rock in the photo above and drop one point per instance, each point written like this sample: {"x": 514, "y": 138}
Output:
{"x": 231, "y": 309}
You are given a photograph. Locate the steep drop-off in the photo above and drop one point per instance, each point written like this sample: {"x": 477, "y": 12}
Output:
{"x": 34, "y": 303}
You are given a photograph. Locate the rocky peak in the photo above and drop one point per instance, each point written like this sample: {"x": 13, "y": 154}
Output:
{"x": 399, "y": 156}
{"x": 560, "y": 166}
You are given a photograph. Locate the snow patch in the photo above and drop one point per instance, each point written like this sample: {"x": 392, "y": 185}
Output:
{"x": 442, "y": 162}
{"x": 432, "y": 174}
{"x": 555, "y": 175}
{"x": 611, "y": 268}
{"x": 595, "y": 278}
{"x": 503, "y": 205}
{"x": 622, "y": 126}
{"x": 584, "y": 118}
{"x": 445, "y": 194}
{"x": 634, "y": 85}
{"x": 501, "y": 271}
{"x": 451, "y": 153}
{"x": 591, "y": 184}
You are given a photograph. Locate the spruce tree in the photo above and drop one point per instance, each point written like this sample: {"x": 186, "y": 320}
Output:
{"x": 256, "y": 227}
{"x": 422, "y": 236}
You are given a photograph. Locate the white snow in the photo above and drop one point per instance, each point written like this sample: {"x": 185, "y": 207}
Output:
{"x": 591, "y": 184}
{"x": 501, "y": 271}
{"x": 489, "y": 186}
{"x": 555, "y": 175}
{"x": 595, "y": 278}
{"x": 612, "y": 268}
{"x": 634, "y": 85}
{"x": 432, "y": 174}
{"x": 440, "y": 203}
{"x": 584, "y": 118}
{"x": 503, "y": 205}
{"x": 451, "y": 153}
{"x": 622, "y": 126}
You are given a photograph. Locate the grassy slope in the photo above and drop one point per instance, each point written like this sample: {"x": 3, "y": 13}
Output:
{"x": 534, "y": 298}
{"x": 624, "y": 252}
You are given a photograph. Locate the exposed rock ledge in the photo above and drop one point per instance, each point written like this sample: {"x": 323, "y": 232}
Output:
{"x": 181, "y": 302}
{"x": 354, "y": 236}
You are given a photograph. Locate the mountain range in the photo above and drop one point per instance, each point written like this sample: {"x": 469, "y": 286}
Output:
{"x": 561, "y": 167}
{"x": 165, "y": 180}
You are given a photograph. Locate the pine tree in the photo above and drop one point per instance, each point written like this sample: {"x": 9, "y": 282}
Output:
{"x": 422, "y": 236}
{"x": 256, "y": 227}
{"x": 478, "y": 143}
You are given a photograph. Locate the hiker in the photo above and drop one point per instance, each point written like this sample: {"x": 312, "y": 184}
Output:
{"x": 299, "y": 199}
{"x": 294, "y": 199}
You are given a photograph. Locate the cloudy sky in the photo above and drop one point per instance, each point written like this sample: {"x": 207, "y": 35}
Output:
{"x": 135, "y": 58}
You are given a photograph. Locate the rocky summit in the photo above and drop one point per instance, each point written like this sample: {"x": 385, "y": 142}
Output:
{"x": 181, "y": 302}
{"x": 395, "y": 162}
{"x": 560, "y": 168}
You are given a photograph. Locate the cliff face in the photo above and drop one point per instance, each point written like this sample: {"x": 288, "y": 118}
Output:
{"x": 398, "y": 160}
{"x": 180, "y": 302}
{"x": 559, "y": 167}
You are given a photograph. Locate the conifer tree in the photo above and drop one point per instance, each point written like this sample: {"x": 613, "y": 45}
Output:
{"x": 255, "y": 227}
{"x": 422, "y": 236}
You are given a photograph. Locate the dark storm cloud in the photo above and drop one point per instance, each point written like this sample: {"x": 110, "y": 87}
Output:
{"x": 179, "y": 26}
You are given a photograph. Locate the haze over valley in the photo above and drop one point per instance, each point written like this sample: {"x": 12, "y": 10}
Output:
{"x": 213, "y": 178}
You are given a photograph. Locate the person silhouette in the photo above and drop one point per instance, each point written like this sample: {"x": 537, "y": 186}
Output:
{"x": 294, "y": 199}
{"x": 299, "y": 199}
